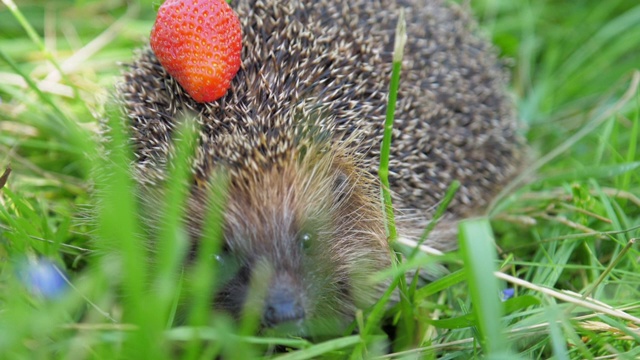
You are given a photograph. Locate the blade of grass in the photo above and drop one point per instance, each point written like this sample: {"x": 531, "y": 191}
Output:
{"x": 527, "y": 174}
{"x": 33, "y": 86}
{"x": 119, "y": 229}
{"x": 441, "y": 284}
{"x": 404, "y": 331}
{"x": 385, "y": 150}
{"x": 204, "y": 274}
{"x": 558, "y": 340}
{"x": 595, "y": 172}
{"x": 172, "y": 239}
{"x": 64, "y": 125}
{"x": 444, "y": 204}
{"x": 478, "y": 251}
{"x": 632, "y": 149}
{"x": 564, "y": 297}
{"x": 619, "y": 257}
{"x": 183, "y": 333}
{"x": 17, "y": 14}
{"x": 321, "y": 349}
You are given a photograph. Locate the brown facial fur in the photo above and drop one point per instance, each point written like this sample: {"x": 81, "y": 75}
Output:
{"x": 314, "y": 225}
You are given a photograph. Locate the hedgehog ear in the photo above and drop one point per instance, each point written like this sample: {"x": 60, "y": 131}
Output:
{"x": 341, "y": 185}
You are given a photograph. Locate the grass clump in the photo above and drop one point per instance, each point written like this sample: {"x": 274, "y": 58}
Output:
{"x": 559, "y": 246}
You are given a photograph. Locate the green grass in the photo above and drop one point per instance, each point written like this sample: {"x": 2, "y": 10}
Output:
{"x": 563, "y": 232}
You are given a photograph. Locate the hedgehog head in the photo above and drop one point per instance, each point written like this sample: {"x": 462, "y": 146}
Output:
{"x": 307, "y": 226}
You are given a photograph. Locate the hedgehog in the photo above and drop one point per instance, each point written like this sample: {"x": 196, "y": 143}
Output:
{"x": 298, "y": 136}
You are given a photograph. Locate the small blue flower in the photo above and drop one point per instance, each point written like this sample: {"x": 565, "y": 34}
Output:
{"x": 42, "y": 277}
{"x": 507, "y": 294}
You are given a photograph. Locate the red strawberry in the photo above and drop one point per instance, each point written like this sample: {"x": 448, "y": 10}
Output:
{"x": 199, "y": 43}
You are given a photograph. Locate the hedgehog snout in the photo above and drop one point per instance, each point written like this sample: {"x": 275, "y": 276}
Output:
{"x": 283, "y": 302}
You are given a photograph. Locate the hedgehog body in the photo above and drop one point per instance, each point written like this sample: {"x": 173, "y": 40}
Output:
{"x": 299, "y": 134}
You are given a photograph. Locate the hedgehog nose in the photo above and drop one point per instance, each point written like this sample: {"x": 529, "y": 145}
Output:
{"x": 282, "y": 305}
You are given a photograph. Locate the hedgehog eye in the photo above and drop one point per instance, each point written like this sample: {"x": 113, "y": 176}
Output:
{"x": 226, "y": 259}
{"x": 223, "y": 260}
{"x": 306, "y": 239}
{"x": 340, "y": 186}
{"x": 228, "y": 264}
{"x": 219, "y": 259}
{"x": 222, "y": 256}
